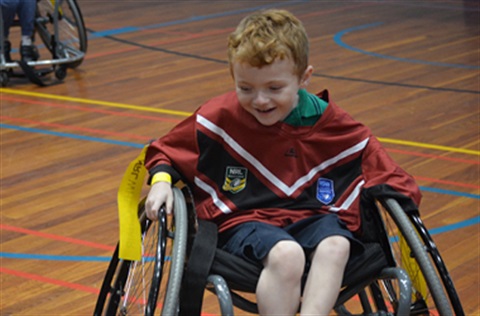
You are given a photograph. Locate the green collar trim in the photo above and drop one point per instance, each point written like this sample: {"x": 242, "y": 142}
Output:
{"x": 308, "y": 110}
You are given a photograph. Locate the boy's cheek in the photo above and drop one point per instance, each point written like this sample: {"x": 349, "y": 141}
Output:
{"x": 244, "y": 102}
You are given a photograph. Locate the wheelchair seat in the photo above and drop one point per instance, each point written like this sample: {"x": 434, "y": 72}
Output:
{"x": 241, "y": 275}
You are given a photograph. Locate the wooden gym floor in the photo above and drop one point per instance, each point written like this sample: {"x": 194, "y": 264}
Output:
{"x": 408, "y": 69}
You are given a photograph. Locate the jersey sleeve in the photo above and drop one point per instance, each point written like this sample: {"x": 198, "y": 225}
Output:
{"x": 175, "y": 153}
{"x": 385, "y": 178}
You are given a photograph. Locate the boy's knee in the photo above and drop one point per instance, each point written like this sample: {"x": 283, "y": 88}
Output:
{"x": 286, "y": 257}
{"x": 335, "y": 248}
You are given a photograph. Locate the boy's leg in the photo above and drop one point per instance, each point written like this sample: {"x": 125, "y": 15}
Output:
{"x": 279, "y": 286}
{"x": 9, "y": 9}
{"x": 325, "y": 276}
{"x": 26, "y": 16}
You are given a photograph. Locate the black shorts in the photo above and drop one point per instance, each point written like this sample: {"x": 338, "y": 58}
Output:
{"x": 254, "y": 240}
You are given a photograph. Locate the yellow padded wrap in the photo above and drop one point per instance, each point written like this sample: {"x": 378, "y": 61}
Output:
{"x": 128, "y": 198}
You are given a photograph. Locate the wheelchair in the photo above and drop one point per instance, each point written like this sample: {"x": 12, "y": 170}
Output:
{"x": 168, "y": 280}
{"x": 60, "y": 26}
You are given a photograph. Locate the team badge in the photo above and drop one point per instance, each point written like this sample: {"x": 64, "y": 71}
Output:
{"x": 325, "y": 190}
{"x": 235, "y": 179}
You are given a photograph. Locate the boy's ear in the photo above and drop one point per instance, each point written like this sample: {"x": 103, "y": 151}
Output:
{"x": 307, "y": 75}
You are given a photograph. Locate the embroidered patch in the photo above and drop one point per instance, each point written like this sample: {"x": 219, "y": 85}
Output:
{"x": 235, "y": 179}
{"x": 325, "y": 190}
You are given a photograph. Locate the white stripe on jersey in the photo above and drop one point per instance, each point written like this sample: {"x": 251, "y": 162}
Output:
{"x": 350, "y": 199}
{"x": 210, "y": 190}
{"x": 288, "y": 190}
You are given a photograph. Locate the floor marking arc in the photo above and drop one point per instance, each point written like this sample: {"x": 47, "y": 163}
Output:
{"x": 338, "y": 38}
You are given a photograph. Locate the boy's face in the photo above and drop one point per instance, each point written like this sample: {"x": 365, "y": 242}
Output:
{"x": 269, "y": 93}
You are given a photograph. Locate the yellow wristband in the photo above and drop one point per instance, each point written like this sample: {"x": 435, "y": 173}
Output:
{"x": 161, "y": 177}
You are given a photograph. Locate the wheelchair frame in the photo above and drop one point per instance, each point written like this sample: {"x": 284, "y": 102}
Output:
{"x": 60, "y": 25}
{"x": 388, "y": 291}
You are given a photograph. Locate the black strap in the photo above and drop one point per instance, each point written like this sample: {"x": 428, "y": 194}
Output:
{"x": 198, "y": 268}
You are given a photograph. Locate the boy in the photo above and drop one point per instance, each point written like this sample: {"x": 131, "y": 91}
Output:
{"x": 25, "y": 9}
{"x": 278, "y": 169}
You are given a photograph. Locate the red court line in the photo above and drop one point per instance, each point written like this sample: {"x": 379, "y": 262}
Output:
{"x": 134, "y": 136}
{"x": 85, "y": 109}
{"x": 325, "y": 12}
{"x": 44, "y": 279}
{"x": 156, "y": 118}
{"x": 458, "y": 184}
{"x": 76, "y": 128}
{"x": 56, "y": 237}
{"x": 103, "y": 132}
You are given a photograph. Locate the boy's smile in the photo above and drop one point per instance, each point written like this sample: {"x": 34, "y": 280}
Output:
{"x": 269, "y": 93}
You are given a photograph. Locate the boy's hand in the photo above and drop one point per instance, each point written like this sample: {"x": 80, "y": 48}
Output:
{"x": 160, "y": 194}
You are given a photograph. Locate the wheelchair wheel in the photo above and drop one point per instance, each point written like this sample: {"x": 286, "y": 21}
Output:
{"x": 439, "y": 297}
{"x": 139, "y": 287}
{"x": 72, "y": 37}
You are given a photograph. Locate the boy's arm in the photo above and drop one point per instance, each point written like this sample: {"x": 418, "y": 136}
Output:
{"x": 175, "y": 150}
{"x": 384, "y": 177}
{"x": 175, "y": 153}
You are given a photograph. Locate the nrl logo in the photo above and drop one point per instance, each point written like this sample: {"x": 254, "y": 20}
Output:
{"x": 235, "y": 179}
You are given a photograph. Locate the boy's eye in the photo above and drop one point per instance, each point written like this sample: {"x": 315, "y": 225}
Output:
{"x": 244, "y": 89}
{"x": 275, "y": 88}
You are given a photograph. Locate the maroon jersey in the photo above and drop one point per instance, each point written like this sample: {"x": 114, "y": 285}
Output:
{"x": 240, "y": 170}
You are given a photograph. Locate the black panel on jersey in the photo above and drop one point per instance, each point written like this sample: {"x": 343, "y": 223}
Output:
{"x": 255, "y": 191}
{"x": 342, "y": 177}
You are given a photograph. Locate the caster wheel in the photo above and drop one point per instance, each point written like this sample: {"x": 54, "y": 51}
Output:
{"x": 61, "y": 73}
{"x": 4, "y": 79}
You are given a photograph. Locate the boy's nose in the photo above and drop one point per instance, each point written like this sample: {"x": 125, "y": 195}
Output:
{"x": 260, "y": 99}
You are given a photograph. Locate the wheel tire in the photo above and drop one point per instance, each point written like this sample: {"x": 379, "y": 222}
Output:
{"x": 71, "y": 28}
{"x": 422, "y": 257}
{"x": 164, "y": 280}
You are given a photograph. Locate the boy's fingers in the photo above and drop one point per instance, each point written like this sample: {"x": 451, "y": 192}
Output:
{"x": 152, "y": 210}
{"x": 169, "y": 205}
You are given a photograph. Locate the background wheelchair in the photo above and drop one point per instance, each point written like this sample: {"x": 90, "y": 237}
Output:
{"x": 162, "y": 280}
{"x": 60, "y": 26}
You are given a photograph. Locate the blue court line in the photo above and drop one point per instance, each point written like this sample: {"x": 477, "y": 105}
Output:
{"x": 459, "y": 225}
{"x": 32, "y": 256}
{"x": 339, "y": 41}
{"x": 26, "y": 256}
{"x": 112, "y": 32}
{"x": 136, "y": 145}
{"x": 191, "y": 19}
{"x": 457, "y": 193}
{"x": 69, "y": 135}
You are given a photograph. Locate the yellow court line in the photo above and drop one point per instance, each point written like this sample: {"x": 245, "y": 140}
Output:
{"x": 182, "y": 113}
{"x": 430, "y": 146}
{"x": 96, "y": 102}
